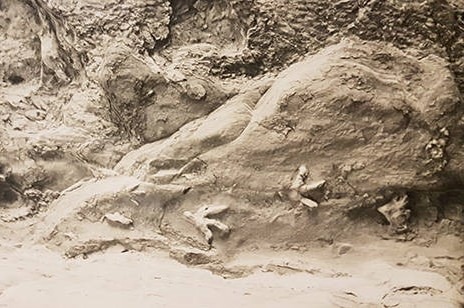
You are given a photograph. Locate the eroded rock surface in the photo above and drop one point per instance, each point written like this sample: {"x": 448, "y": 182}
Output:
{"x": 143, "y": 110}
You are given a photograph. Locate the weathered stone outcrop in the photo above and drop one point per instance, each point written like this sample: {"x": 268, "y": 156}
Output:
{"x": 230, "y": 98}
{"x": 149, "y": 103}
{"x": 366, "y": 114}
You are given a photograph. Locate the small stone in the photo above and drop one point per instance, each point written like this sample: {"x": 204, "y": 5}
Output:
{"x": 431, "y": 213}
{"x": 445, "y": 132}
{"x": 342, "y": 248}
{"x": 191, "y": 257}
{"x": 4, "y": 117}
{"x": 117, "y": 219}
{"x": 454, "y": 212}
{"x": 309, "y": 203}
{"x": 312, "y": 186}
{"x": 446, "y": 226}
{"x": 33, "y": 194}
{"x": 195, "y": 90}
{"x": 358, "y": 166}
{"x": 424, "y": 242}
{"x": 442, "y": 142}
{"x": 430, "y": 23}
{"x": 52, "y": 194}
{"x": 42, "y": 204}
{"x": 420, "y": 261}
{"x": 300, "y": 177}
{"x": 35, "y": 114}
{"x": 345, "y": 170}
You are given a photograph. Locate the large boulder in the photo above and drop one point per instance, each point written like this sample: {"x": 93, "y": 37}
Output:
{"x": 363, "y": 115}
{"x": 367, "y": 113}
{"x": 220, "y": 127}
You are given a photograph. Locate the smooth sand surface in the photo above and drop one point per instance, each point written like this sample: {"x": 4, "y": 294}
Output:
{"x": 36, "y": 277}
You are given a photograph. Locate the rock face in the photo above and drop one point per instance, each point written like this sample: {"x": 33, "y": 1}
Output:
{"x": 354, "y": 103}
{"x": 20, "y": 52}
{"x": 356, "y": 112}
{"x": 230, "y": 98}
{"x": 146, "y": 102}
{"x": 145, "y": 22}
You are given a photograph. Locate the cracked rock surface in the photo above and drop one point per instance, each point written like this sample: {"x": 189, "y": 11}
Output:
{"x": 132, "y": 113}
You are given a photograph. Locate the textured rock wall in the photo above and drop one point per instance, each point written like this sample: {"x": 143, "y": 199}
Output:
{"x": 20, "y": 48}
{"x": 228, "y": 95}
{"x": 143, "y": 24}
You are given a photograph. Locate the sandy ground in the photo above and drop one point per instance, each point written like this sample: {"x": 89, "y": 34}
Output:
{"x": 36, "y": 277}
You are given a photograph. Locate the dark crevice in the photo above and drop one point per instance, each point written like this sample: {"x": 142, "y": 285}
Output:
{"x": 15, "y": 79}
